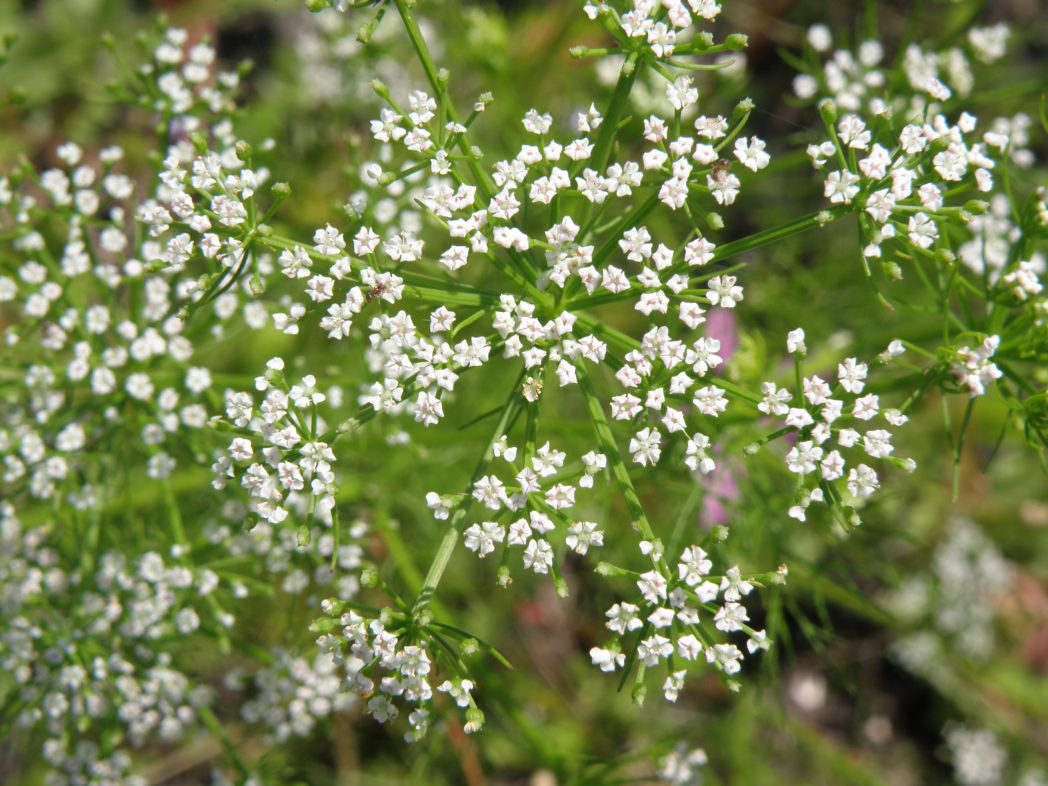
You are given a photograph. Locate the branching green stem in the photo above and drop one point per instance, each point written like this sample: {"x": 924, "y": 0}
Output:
{"x": 447, "y": 545}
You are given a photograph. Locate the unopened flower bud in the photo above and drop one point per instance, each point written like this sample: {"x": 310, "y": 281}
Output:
{"x": 945, "y": 257}
{"x": 380, "y": 89}
{"x": 640, "y": 692}
{"x": 743, "y": 108}
{"x": 892, "y": 271}
{"x": 828, "y": 110}
{"x": 737, "y": 41}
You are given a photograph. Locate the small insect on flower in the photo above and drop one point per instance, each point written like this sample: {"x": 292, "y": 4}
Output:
{"x": 720, "y": 166}
{"x": 376, "y": 291}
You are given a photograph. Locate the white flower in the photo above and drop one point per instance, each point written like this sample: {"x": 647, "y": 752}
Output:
{"x": 922, "y": 230}
{"x": 490, "y": 491}
{"x": 654, "y": 647}
{"x": 481, "y": 538}
{"x": 606, "y": 659}
{"x": 652, "y": 586}
{"x": 710, "y": 400}
{"x": 645, "y": 446}
{"x": 841, "y": 187}
{"x": 775, "y": 401}
{"x": 803, "y": 457}
{"x": 622, "y": 618}
{"x": 681, "y": 93}
{"x": 750, "y": 152}
{"x": 538, "y": 556}
{"x": 582, "y": 535}
{"x": 795, "y": 342}
{"x": 730, "y": 617}
{"x": 851, "y": 374}
{"x": 733, "y": 586}
{"x": 428, "y": 409}
{"x": 696, "y": 458}
{"x": 862, "y": 481}
{"x": 693, "y": 565}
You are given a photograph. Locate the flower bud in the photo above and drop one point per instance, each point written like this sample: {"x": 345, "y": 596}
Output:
{"x": 892, "y": 271}
{"x": 323, "y": 625}
{"x": 331, "y": 606}
{"x": 828, "y": 110}
{"x": 737, "y": 41}
{"x": 945, "y": 257}
{"x": 474, "y": 720}
{"x": 743, "y": 108}
{"x": 366, "y": 30}
{"x": 640, "y": 692}
{"x": 380, "y": 89}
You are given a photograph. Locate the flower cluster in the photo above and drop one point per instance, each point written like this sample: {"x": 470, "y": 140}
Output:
{"x": 973, "y": 369}
{"x": 958, "y": 595}
{"x": 899, "y": 176}
{"x": 676, "y": 606}
{"x": 296, "y": 467}
{"x": 96, "y": 311}
{"x": 901, "y": 184}
{"x": 678, "y": 766}
{"x": 831, "y": 439}
{"x": 977, "y": 755}
{"x": 856, "y": 80}
{"x": 540, "y": 499}
{"x": 384, "y": 663}
{"x": 293, "y": 694}
{"x": 587, "y": 264}
{"x": 103, "y": 656}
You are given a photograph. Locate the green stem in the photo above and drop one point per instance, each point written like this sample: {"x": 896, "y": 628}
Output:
{"x": 447, "y": 545}
{"x": 480, "y": 176}
{"x": 627, "y": 76}
{"x": 426, "y": 59}
{"x": 215, "y": 727}
{"x": 732, "y": 249}
{"x": 618, "y": 467}
{"x": 958, "y": 447}
{"x": 774, "y": 235}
